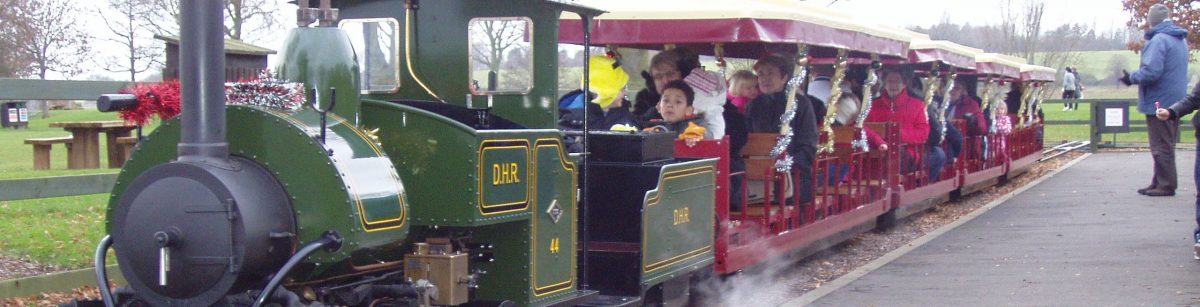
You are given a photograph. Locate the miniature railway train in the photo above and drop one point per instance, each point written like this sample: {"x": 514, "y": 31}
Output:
{"x": 407, "y": 182}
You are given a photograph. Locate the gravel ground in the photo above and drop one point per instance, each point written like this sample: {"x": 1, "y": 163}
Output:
{"x": 12, "y": 268}
{"x": 769, "y": 284}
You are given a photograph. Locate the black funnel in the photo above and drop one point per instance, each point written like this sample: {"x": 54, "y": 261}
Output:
{"x": 202, "y": 79}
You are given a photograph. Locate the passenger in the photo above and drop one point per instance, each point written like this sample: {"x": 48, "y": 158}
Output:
{"x": 847, "y": 105}
{"x": 724, "y": 120}
{"x": 847, "y": 114}
{"x": 1013, "y": 100}
{"x": 763, "y": 116}
{"x": 607, "y": 82}
{"x": 679, "y": 115}
{"x": 709, "y": 102}
{"x": 665, "y": 67}
{"x": 735, "y": 129}
{"x": 821, "y": 85}
{"x": 966, "y": 107}
{"x": 743, "y": 88}
{"x": 1003, "y": 128}
{"x": 934, "y": 154}
{"x": 939, "y": 150}
{"x": 896, "y": 105}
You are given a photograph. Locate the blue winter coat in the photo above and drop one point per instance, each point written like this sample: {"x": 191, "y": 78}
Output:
{"x": 1163, "y": 75}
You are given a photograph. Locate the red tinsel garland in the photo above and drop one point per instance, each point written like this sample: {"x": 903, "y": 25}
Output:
{"x": 162, "y": 99}
{"x": 153, "y": 99}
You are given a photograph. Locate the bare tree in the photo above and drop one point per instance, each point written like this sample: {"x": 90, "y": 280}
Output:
{"x": 129, "y": 28}
{"x": 54, "y": 39}
{"x": 242, "y": 17}
{"x": 13, "y": 62}
{"x": 495, "y": 37}
{"x": 1021, "y": 27}
{"x": 162, "y": 16}
{"x": 1061, "y": 47}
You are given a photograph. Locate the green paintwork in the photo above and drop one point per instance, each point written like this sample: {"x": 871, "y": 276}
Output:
{"x": 325, "y": 190}
{"x": 440, "y": 55}
{"x": 441, "y": 161}
{"x": 322, "y": 58}
{"x": 677, "y": 221}
{"x": 554, "y": 249}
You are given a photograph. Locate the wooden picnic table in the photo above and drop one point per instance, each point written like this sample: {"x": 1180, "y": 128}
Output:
{"x": 86, "y": 142}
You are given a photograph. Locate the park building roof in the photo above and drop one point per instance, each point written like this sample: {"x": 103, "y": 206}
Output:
{"x": 232, "y": 46}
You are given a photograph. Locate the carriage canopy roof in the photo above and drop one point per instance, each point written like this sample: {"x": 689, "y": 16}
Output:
{"x": 999, "y": 65}
{"x": 926, "y": 50}
{"x": 747, "y": 28}
{"x": 1038, "y": 73}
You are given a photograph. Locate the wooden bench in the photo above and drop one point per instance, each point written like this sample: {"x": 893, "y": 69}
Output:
{"x": 41, "y": 150}
{"x": 125, "y": 145}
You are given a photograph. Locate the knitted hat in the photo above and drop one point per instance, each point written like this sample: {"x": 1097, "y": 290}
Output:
{"x": 606, "y": 79}
{"x": 1158, "y": 13}
{"x": 710, "y": 90}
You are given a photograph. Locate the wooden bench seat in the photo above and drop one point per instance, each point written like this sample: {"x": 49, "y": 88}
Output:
{"x": 125, "y": 145}
{"x": 41, "y": 150}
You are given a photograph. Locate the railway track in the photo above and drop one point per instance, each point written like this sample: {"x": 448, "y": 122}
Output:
{"x": 1052, "y": 152}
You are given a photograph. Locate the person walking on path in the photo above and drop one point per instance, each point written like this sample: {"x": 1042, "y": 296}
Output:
{"x": 1172, "y": 113}
{"x": 1068, "y": 88}
{"x": 1162, "y": 81}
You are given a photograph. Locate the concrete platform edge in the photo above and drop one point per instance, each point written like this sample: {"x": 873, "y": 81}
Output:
{"x": 816, "y": 294}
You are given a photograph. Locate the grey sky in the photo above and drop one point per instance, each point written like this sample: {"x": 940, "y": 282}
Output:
{"x": 1103, "y": 15}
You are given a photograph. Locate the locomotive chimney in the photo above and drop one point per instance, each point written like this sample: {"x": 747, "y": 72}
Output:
{"x": 202, "y": 79}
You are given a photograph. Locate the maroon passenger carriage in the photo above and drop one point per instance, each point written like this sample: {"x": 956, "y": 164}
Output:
{"x": 749, "y": 30}
{"x": 937, "y": 65}
{"x": 1025, "y": 142}
{"x": 985, "y": 161}
{"x": 873, "y": 189}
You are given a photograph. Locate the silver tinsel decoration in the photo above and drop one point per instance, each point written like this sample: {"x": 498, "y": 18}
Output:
{"x": 267, "y": 92}
{"x": 783, "y": 161}
{"x": 945, "y": 103}
{"x": 861, "y": 143}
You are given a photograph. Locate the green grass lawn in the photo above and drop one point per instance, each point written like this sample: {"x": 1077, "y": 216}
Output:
{"x": 16, "y": 158}
{"x": 59, "y": 231}
{"x": 1056, "y": 134}
{"x": 1106, "y": 65}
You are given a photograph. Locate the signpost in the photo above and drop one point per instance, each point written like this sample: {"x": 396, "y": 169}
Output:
{"x": 1109, "y": 117}
{"x": 14, "y": 115}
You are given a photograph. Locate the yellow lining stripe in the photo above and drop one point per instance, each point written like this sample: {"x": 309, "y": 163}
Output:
{"x": 357, "y": 197}
{"x": 688, "y": 255}
{"x": 646, "y": 268}
{"x": 569, "y": 167}
{"x": 479, "y": 177}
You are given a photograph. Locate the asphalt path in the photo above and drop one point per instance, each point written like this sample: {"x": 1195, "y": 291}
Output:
{"x": 1083, "y": 237}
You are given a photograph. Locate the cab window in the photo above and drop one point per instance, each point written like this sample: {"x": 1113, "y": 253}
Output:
{"x": 375, "y": 44}
{"x": 501, "y": 55}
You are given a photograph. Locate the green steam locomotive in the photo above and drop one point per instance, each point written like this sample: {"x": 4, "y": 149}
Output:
{"x": 411, "y": 177}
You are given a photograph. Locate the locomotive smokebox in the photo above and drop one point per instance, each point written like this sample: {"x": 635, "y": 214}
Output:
{"x": 191, "y": 231}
